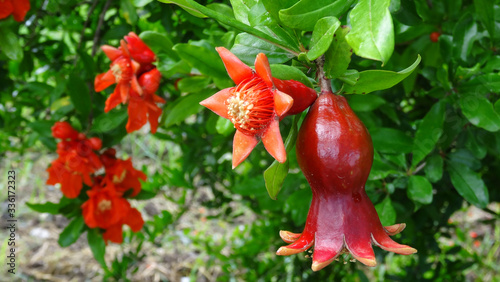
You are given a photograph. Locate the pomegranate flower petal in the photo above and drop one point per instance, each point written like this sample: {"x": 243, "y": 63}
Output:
{"x": 236, "y": 69}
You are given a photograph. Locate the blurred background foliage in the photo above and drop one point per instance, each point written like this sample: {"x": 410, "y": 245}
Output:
{"x": 436, "y": 134}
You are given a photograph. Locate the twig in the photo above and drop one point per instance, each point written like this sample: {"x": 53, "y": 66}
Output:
{"x": 85, "y": 25}
{"x": 97, "y": 35}
{"x": 324, "y": 83}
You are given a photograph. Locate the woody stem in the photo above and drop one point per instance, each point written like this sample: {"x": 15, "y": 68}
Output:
{"x": 324, "y": 83}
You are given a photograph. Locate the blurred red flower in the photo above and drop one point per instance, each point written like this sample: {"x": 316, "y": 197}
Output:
{"x": 18, "y": 9}
{"x": 121, "y": 173}
{"x": 77, "y": 159}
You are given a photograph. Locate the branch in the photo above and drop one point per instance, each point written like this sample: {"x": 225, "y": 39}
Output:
{"x": 324, "y": 83}
{"x": 82, "y": 34}
{"x": 97, "y": 34}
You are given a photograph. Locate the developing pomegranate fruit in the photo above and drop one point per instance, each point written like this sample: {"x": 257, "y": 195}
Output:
{"x": 335, "y": 153}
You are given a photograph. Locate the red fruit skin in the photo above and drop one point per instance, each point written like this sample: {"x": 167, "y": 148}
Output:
{"x": 434, "y": 36}
{"x": 303, "y": 96}
{"x": 335, "y": 153}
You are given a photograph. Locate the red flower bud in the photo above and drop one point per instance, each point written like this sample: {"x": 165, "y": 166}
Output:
{"x": 96, "y": 143}
{"x": 303, "y": 96}
{"x": 63, "y": 130}
{"x": 435, "y": 36}
{"x": 139, "y": 50}
{"x": 335, "y": 153}
{"x": 150, "y": 81}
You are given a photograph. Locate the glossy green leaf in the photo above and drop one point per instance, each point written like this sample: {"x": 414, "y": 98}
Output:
{"x": 373, "y": 80}
{"x": 285, "y": 72}
{"x": 79, "y": 94}
{"x": 388, "y": 140}
{"x": 464, "y": 36}
{"x": 480, "y": 112}
{"x": 106, "y": 122}
{"x": 386, "y": 212}
{"x": 97, "y": 246}
{"x": 486, "y": 12}
{"x": 497, "y": 106}
{"x": 186, "y": 106}
{"x": 241, "y": 9}
{"x": 159, "y": 42}
{"x": 206, "y": 61}
{"x": 428, "y": 133}
{"x": 338, "y": 56}
{"x": 482, "y": 84}
{"x": 72, "y": 232}
{"x": 47, "y": 207}
{"x": 274, "y": 7}
{"x": 365, "y": 103}
{"x": 193, "y": 83}
{"x": 224, "y": 126}
{"x": 350, "y": 77}
{"x": 434, "y": 168}
{"x": 246, "y": 47}
{"x": 9, "y": 44}
{"x": 186, "y": 5}
{"x": 322, "y": 37}
{"x": 275, "y": 174}
{"x": 419, "y": 190}
{"x": 306, "y": 13}
{"x": 468, "y": 184}
{"x": 372, "y": 34}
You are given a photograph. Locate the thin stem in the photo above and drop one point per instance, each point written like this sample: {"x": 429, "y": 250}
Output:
{"x": 82, "y": 34}
{"x": 97, "y": 35}
{"x": 324, "y": 83}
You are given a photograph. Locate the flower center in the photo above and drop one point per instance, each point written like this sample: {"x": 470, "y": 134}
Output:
{"x": 251, "y": 106}
{"x": 104, "y": 205}
{"x": 122, "y": 70}
{"x": 118, "y": 179}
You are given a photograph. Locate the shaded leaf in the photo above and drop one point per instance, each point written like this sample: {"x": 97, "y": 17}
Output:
{"x": 72, "y": 232}
{"x": 428, "y": 133}
{"x": 468, "y": 184}
{"x": 419, "y": 189}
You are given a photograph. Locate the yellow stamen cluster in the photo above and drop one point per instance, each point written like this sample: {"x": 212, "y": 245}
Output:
{"x": 104, "y": 205}
{"x": 251, "y": 106}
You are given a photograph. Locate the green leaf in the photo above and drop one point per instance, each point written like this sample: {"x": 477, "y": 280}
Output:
{"x": 97, "y": 246}
{"x": 79, "y": 94}
{"x": 274, "y": 7}
{"x": 285, "y": 72}
{"x": 224, "y": 126}
{"x": 434, "y": 168}
{"x": 419, "y": 189}
{"x": 428, "y": 133}
{"x": 187, "y": 6}
{"x": 465, "y": 34}
{"x": 372, "y": 34}
{"x": 144, "y": 195}
{"x": 241, "y": 9}
{"x": 479, "y": 111}
{"x": 388, "y": 140}
{"x": 350, "y": 77}
{"x": 186, "y": 106}
{"x": 47, "y": 207}
{"x": 322, "y": 37}
{"x": 485, "y": 10}
{"x": 206, "y": 61}
{"x": 468, "y": 184}
{"x": 297, "y": 205}
{"x": 373, "y": 80}
{"x": 9, "y": 44}
{"x": 193, "y": 83}
{"x": 159, "y": 42}
{"x": 482, "y": 84}
{"x": 128, "y": 12}
{"x": 246, "y": 47}
{"x": 72, "y": 232}
{"x": 386, "y": 212}
{"x": 275, "y": 174}
{"x": 306, "y": 13}
{"x": 365, "y": 103}
{"x": 338, "y": 56}
{"x": 106, "y": 122}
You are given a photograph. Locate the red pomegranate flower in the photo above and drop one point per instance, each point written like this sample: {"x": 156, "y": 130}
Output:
{"x": 121, "y": 173}
{"x": 142, "y": 108}
{"x": 133, "y": 219}
{"x": 122, "y": 72}
{"x": 254, "y": 106}
{"x": 77, "y": 159}
{"x": 18, "y": 9}
{"x": 335, "y": 153}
